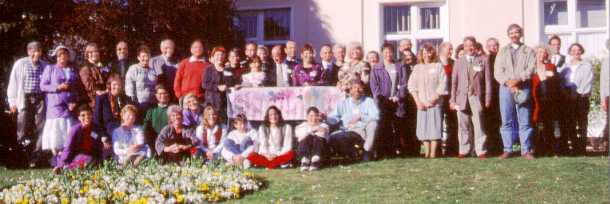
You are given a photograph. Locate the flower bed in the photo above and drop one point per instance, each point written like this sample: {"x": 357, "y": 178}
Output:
{"x": 192, "y": 182}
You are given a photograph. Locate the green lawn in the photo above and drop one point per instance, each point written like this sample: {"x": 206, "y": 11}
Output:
{"x": 545, "y": 180}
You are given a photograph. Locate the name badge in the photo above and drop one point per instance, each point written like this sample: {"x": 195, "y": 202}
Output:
{"x": 433, "y": 71}
{"x": 227, "y": 73}
{"x": 477, "y": 68}
{"x": 313, "y": 73}
{"x": 549, "y": 73}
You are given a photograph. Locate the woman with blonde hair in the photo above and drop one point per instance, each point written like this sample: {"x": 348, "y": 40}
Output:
{"x": 426, "y": 84}
{"x": 210, "y": 134}
{"x": 128, "y": 141}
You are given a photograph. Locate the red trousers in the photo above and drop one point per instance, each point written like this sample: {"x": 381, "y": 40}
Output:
{"x": 262, "y": 161}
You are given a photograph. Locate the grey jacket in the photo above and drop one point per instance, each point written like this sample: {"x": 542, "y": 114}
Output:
{"x": 522, "y": 69}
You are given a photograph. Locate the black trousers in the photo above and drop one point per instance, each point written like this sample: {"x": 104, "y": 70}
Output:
{"x": 450, "y": 128}
{"x": 311, "y": 146}
{"x": 574, "y": 122}
{"x": 407, "y": 126}
{"x": 387, "y": 141}
{"x": 344, "y": 143}
{"x": 545, "y": 142}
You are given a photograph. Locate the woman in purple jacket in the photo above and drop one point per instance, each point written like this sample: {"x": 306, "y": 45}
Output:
{"x": 61, "y": 85}
{"x": 83, "y": 146}
{"x": 308, "y": 73}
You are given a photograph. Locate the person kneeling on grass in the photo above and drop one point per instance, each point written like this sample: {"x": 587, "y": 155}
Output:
{"x": 175, "y": 140}
{"x": 273, "y": 146}
{"x": 210, "y": 134}
{"x": 239, "y": 143}
{"x": 84, "y": 146}
{"x": 128, "y": 140}
{"x": 312, "y": 136}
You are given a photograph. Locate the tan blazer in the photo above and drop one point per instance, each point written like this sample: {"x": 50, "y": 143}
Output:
{"x": 481, "y": 81}
{"x": 522, "y": 69}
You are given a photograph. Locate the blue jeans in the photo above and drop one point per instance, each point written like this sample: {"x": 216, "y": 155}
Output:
{"x": 508, "y": 110}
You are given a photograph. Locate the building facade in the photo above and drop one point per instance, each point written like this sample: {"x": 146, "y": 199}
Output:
{"x": 374, "y": 22}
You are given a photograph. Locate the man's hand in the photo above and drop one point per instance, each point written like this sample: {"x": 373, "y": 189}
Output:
{"x": 209, "y": 154}
{"x": 71, "y": 106}
{"x": 13, "y": 110}
{"x": 63, "y": 87}
{"x": 394, "y": 99}
{"x": 355, "y": 119}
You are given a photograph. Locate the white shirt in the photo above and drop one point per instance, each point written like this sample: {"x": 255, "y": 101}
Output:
{"x": 304, "y": 130}
{"x": 123, "y": 139}
{"x": 213, "y": 145}
{"x": 274, "y": 141}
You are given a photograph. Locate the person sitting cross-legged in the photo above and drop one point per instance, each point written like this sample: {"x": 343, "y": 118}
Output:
{"x": 239, "y": 143}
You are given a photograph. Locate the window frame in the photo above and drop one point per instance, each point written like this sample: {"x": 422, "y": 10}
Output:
{"x": 416, "y": 33}
{"x": 260, "y": 24}
{"x": 572, "y": 20}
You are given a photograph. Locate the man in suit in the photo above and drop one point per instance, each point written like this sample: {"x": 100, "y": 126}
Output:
{"x": 122, "y": 63}
{"x": 514, "y": 66}
{"x": 329, "y": 69}
{"x": 556, "y": 57}
{"x": 470, "y": 94}
{"x": 291, "y": 52}
{"x": 166, "y": 65}
{"x": 280, "y": 71}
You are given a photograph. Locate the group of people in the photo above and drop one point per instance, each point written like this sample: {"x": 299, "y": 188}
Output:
{"x": 160, "y": 107}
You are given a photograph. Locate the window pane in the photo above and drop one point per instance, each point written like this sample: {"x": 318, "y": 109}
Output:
{"x": 591, "y": 13}
{"x": 248, "y": 24}
{"x": 430, "y": 18}
{"x": 396, "y": 19}
{"x": 556, "y": 13}
{"x": 277, "y": 24}
{"x": 436, "y": 42}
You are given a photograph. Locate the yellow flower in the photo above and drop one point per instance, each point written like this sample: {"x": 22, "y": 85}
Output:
{"x": 204, "y": 187}
{"x": 235, "y": 189}
{"x": 65, "y": 200}
{"x": 179, "y": 198}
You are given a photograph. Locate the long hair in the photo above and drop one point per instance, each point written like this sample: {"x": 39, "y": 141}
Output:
{"x": 428, "y": 48}
{"x": 280, "y": 121}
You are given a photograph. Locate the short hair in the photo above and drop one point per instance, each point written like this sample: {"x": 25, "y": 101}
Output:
{"x": 314, "y": 109}
{"x": 129, "y": 109}
{"x": 198, "y": 41}
{"x": 33, "y": 45}
{"x": 291, "y": 41}
{"x": 307, "y": 47}
{"x": 84, "y": 108}
{"x": 495, "y": 40}
{"x": 356, "y": 81}
{"x": 173, "y": 109}
{"x": 338, "y": 46}
{"x": 188, "y": 97}
{"x": 429, "y": 48}
{"x": 250, "y": 44}
{"x": 554, "y": 37}
{"x": 143, "y": 49}
{"x": 121, "y": 41}
{"x": 373, "y": 52}
{"x": 582, "y": 49}
{"x": 166, "y": 40}
{"x": 160, "y": 87}
{"x": 326, "y": 45}
{"x": 514, "y": 26}
{"x": 240, "y": 118}
{"x": 387, "y": 46}
{"x": 217, "y": 49}
{"x": 470, "y": 38}
{"x": 255, "y": 59}
{"x": 262, "y": 47}
{"x": 266, "y": 121}
{"x": 235, "y": 50}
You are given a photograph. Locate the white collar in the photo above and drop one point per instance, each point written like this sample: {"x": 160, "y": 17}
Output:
{"x": 195, "y": 59}
{"x": 515, "y": 46}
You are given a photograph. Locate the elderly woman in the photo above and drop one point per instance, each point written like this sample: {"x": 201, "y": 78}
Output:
{"x": 175, "y": 141}
{"x": 140, "y": 80}
{"x": 193, "y": 112}
{"x": 309, "y": 72}
{"x": 576, "y": 82}
{"x": 312, "y": 136}
{"x": 217, "y": 81}
{"x": 107, "y": 111}
{"x": 355, "y": 69}
{"x": 426, "y": 84}
{"x": 210, "y": 134}
{"x": 83, "y": 146}
{"x": 545, "y": 93}
{"x": 274, "y": 142}
{"x": 128, "y": 140}
{"x": 93, "y": 74}
{"x": 62, "y": 87}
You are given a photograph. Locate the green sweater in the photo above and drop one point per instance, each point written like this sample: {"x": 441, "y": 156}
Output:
{"x": 156, "y": 119}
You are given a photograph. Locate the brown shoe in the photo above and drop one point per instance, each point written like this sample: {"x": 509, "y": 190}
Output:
{"x": 527, "y": 156}
{"x": 505, "y": 155}
{"x": 461, "y": 156}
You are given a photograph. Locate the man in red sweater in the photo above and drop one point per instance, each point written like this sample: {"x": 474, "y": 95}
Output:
{"x": 190, "y": 73}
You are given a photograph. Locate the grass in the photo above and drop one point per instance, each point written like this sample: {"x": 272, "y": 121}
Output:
{"x": 544, "y": 180}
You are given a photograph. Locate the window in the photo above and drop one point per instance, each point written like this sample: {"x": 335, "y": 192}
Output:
{"x": 590, "y": 13}
{"x": 266, "y": 26}
{"x": 556, "y": 13}
{"x": 248, "y": 24}
{"x": 430, "y": 18}
{"x": 396, "y": 19}
{"x": 436, "y": 42}
{"x": 420, "y": 22}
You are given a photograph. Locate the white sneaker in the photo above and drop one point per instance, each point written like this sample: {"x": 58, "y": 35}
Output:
{"x": 304, "y": 168}
{"x": 247, "y": 164}
{"x": 313, "y": 168}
